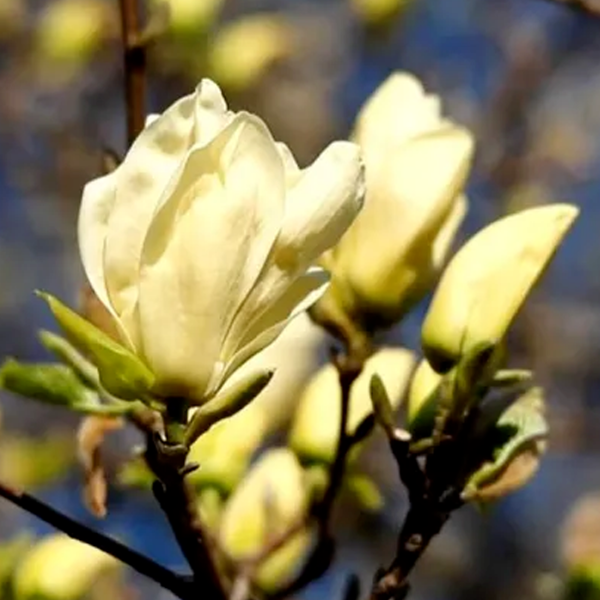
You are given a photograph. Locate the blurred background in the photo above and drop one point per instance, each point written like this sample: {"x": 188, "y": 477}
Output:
{"x": 521, "y": 73}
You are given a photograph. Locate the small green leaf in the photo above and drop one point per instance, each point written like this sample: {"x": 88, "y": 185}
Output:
{"x": 122, "y": 373}
{"x": 366, "y": 491}
{"x": 48, "y": 382}
{"x": 520, "y": 430}
{"x": 65, "y": 352}
{"x": 57, "y": 384}
{"x": 511, "y": 377}
{"x": 227, "y": 403}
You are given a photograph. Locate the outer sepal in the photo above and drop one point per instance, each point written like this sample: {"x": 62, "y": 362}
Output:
{"x": 121, "y": 372}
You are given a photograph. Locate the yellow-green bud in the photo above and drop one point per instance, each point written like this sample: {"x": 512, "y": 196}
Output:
{"x": 314, "y": 431}
{"x": 243, "y": 51}
{"x": 190, "y": 18}
{"x": 224, "y": 452}
{"x": 70, "y": 31}
{"x": 376, "y": 13}
{"x": 61, "y": 568}
{"x": 416, "y": 163}
{"x": 269, "y": 500}
{"x": 488, "y": 280}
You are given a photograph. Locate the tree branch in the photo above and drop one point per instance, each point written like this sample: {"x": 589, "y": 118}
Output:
{"x": 171, "y": 581}
{"x": 174, "y": 495}
{"x": 134, "y": 65}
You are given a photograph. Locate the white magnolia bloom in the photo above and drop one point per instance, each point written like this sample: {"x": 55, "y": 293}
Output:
{"x": 416, "y": 163}
{"x": 200, "y": 244}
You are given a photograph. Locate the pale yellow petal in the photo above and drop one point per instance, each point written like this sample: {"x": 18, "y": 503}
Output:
{"x": 143, "y": 177}
{"x": 205, "y": 249}
{"x": 488, "y": 280}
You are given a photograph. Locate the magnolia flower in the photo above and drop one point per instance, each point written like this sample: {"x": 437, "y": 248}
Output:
{"x": 416, "y": 166}
{"x": 488, "y": 281}
{"x": 200, "y": 243}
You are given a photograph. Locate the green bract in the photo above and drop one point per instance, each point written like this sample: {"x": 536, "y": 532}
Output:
{"x": 121, "y": 372}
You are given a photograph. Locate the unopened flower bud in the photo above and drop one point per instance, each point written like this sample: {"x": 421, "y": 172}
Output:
{"x": 488, "y": 280}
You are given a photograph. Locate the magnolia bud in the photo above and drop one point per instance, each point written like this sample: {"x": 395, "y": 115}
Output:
{"x": 61, "y": 568}
{"x": 270, "y": 499}
{"x": 315, "y": 428}
{"x": 377, "y": 13}
{"x": 417, "y": 164}
{"x": 488, "y": 280}
{"x": 224, "y": 452}
{"x": 190, "y": 18}
{"x": 243, "y": 51}
{"x": 70, "y": 31}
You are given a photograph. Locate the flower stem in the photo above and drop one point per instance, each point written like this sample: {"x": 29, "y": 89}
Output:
{"x": 134, "y": 64}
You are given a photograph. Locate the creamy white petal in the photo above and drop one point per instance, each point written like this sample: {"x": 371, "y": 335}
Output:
{"x": 292, "y": 170}
{"x": 205, "y": 249}
{"x": 318, "y": 211}
{"x": 398, "y": 110}
{"x": 92, "y": 226}
{"x": 141, "y": 180}
{"x": 447, "y": 233}
{"x": 151, "y": 118}
{"x": 407, "y": 202}
{"x": 276, "y": 313}
{"x": 210, "y": 112}
{"x": 321, "y": 206}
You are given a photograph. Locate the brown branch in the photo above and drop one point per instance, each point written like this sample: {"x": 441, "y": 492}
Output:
{"x": 177, "y": 584}
{"x": 434, "y": 493}
{"x": 349, "y": 367}
{"x": 175, "y": 497}
{"x": 134, "y": 65}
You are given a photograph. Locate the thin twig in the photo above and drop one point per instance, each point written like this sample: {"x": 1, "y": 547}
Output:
{"x": 134, "y": 65}
{"x": 349, "y": 368}
{"x": 175, "y": 583}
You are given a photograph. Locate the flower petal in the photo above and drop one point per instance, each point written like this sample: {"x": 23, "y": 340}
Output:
{"x": 407, "y": 203}
{"x": 275, "y": 316}
{"x": 142, "y": 178}
{"x": 205, "y": 249}
{"x": 321, "y": 206}
{"x": 398, "y": 110}
{"x": 92, "y": 226}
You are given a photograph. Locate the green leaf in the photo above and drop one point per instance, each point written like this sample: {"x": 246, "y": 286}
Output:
{"x": 67, "y": 353}
{"x": 520, "y": 431}
{"x": 51, "y": 383}
{"x": 56, "y": 384}
{"x": 122, "y": 373}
